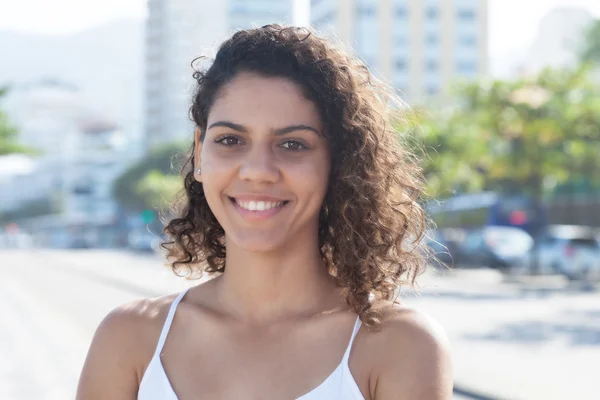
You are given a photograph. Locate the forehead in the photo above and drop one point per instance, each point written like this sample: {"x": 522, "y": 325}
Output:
{"x": 276, "y": 100}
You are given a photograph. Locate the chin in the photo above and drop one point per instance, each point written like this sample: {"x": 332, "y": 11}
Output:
{"x": 259, "y": 243}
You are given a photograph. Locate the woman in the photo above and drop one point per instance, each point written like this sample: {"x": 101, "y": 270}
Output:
{"x": 304, "y": 208}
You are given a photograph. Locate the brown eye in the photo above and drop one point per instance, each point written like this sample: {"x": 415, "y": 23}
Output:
{"x": 228, "y": 141}
{"x": 294, "y": 145}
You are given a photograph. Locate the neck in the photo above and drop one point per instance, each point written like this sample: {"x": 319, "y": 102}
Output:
{"x": 268, "y": 287}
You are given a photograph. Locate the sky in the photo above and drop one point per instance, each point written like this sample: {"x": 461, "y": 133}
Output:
{"x": 513, "y": 23}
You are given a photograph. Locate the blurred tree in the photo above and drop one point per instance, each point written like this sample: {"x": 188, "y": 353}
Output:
{"x": 158, "y": 189}
{"x": 8, "y": 133}
{"x": 581, "y": 118}
{"x": 450, "y": 152}
{"x": 517, "y": 137}
{"x": 152, "y": 181}
{"x": 30, "y": 209}
{"x": 591, "y": 48}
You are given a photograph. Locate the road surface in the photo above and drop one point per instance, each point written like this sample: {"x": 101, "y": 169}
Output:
{"x": 510, "y": 341}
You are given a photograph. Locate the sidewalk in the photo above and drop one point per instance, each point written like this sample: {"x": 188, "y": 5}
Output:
{"x": 532, "y": 339}
{"x": 535, "y": 339}
{"x": 143, "y": 274}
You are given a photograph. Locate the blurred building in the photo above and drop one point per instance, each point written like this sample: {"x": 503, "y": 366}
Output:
{"x": 244, "y": 14}
{"x": 90, "y": 208}
{"x": 559, "y": 40}
{"x": 104, "y": 63}
{"x": 420, "y": 47}
{"x": 14, "y": 170}
{"x": 177, "y": 32}
{"x": 46, "y": 113}
{"x": 62, "y": 194}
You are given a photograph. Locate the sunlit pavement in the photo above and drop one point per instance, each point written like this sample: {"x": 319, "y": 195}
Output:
{"x": 510, "y": 341}
{"x": 538, "y": 339}
{"x": 50, "y": 305}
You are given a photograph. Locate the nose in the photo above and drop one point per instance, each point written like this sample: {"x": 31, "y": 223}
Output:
{"x": 259, "y": 165}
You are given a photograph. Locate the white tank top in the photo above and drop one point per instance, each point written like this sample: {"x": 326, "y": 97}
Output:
{"x": 155, "y": 385}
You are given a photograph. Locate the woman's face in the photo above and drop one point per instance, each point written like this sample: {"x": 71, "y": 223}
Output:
{"x": 264, "y": 163}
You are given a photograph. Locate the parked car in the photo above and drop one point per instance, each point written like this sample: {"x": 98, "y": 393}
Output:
{"x": 445, "y": 243}
{"x": 500, "y": 247}
{"x": 144, "y": 241}
{"x": 570, "y": 250}
{"x": 19, "y": 240}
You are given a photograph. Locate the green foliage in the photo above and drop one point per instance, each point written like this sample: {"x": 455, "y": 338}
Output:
{"x": 151, "y": 182}
{"x": 30, "y": 209}
{"x": 523, "y": 136}
{"x": 448, "y": 164}
{"x": 8, "y": 133}
{"x": 591, "y": 50}
{"x": 157, "y": 189}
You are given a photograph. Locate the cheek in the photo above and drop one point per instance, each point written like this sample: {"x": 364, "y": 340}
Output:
{"x": 310, "y": 178}
{"x": 215, "y": 166}
{"x": 215, "y": 177}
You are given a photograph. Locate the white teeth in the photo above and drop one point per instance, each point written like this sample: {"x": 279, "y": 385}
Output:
{"x": 258, "y": 205}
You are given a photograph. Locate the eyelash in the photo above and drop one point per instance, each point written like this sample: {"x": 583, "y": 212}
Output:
{"x": 300, "y": 143}
{"x": 223, "y": 142}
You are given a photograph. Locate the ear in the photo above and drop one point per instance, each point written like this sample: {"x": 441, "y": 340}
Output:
{"x": 197, "y": 152}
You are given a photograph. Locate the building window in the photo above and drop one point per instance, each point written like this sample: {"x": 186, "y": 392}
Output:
{"x": 401, "y": 40}
{"x": 83, "y": 188}
{"x": 237, "y": 9}
{"x": 432, "y": 89}
{"x": 325, "y": 19}
{"x": 467, "y": 67}
{"x": 468, "y": 41}
{"x": 466, "y": 15}
{"x": 431, "y": 65}
{"x": 431, "y": 39}
{"x": 367, "y": 11}
{"x": 401, "y": 64}
{"x": 431, "y": 13}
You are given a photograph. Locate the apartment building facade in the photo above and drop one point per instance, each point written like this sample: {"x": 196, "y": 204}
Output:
{"x": 177, "y": 32}
{"x": 420, "y": 47}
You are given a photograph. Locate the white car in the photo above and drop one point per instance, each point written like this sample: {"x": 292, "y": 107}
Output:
{"x": 500, "y": 247}
{"x": 570, "y": 250}
{"x": 17, "y": 240}
{"x": 144, "y": 241}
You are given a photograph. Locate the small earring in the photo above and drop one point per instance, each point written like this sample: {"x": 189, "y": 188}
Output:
{"x": 198, "y": 171}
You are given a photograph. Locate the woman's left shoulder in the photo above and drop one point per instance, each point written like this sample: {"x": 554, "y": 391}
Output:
{"x": 401, "y": 325}
{"x": 410, "y": 355}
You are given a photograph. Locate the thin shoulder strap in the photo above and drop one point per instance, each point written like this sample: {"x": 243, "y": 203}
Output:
{"x": 167, "y": 326}
{"x": 357, "y": 325}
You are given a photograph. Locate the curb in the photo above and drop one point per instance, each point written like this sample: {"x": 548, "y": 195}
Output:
{"x": 474, "y": 395}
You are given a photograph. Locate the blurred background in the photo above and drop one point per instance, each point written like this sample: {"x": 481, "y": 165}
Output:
{"x": 505, "y": 99}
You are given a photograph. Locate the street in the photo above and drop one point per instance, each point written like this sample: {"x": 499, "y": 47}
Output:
{"x": 526, "y": 340}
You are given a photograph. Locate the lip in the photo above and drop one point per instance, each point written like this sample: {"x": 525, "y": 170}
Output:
{"x": 256, "y": 215}
{"x": 256, "y": 197}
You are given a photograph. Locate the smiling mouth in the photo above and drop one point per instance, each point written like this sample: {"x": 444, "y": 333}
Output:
{"x": 253, "y": 205}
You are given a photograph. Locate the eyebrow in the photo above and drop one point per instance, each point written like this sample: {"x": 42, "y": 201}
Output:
{"x": 278, "y": 132}
{"x": 231, "y": 125}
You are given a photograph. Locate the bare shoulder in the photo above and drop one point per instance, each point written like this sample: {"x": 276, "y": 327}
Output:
{"x": 411, "y": 355}
{"x": 402, "y": 325}
{"x": 122, "y": 347}
{"x": 135, "y": 318}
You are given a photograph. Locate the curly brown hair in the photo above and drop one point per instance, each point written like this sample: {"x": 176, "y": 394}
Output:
{"x": 371, "y": 224}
